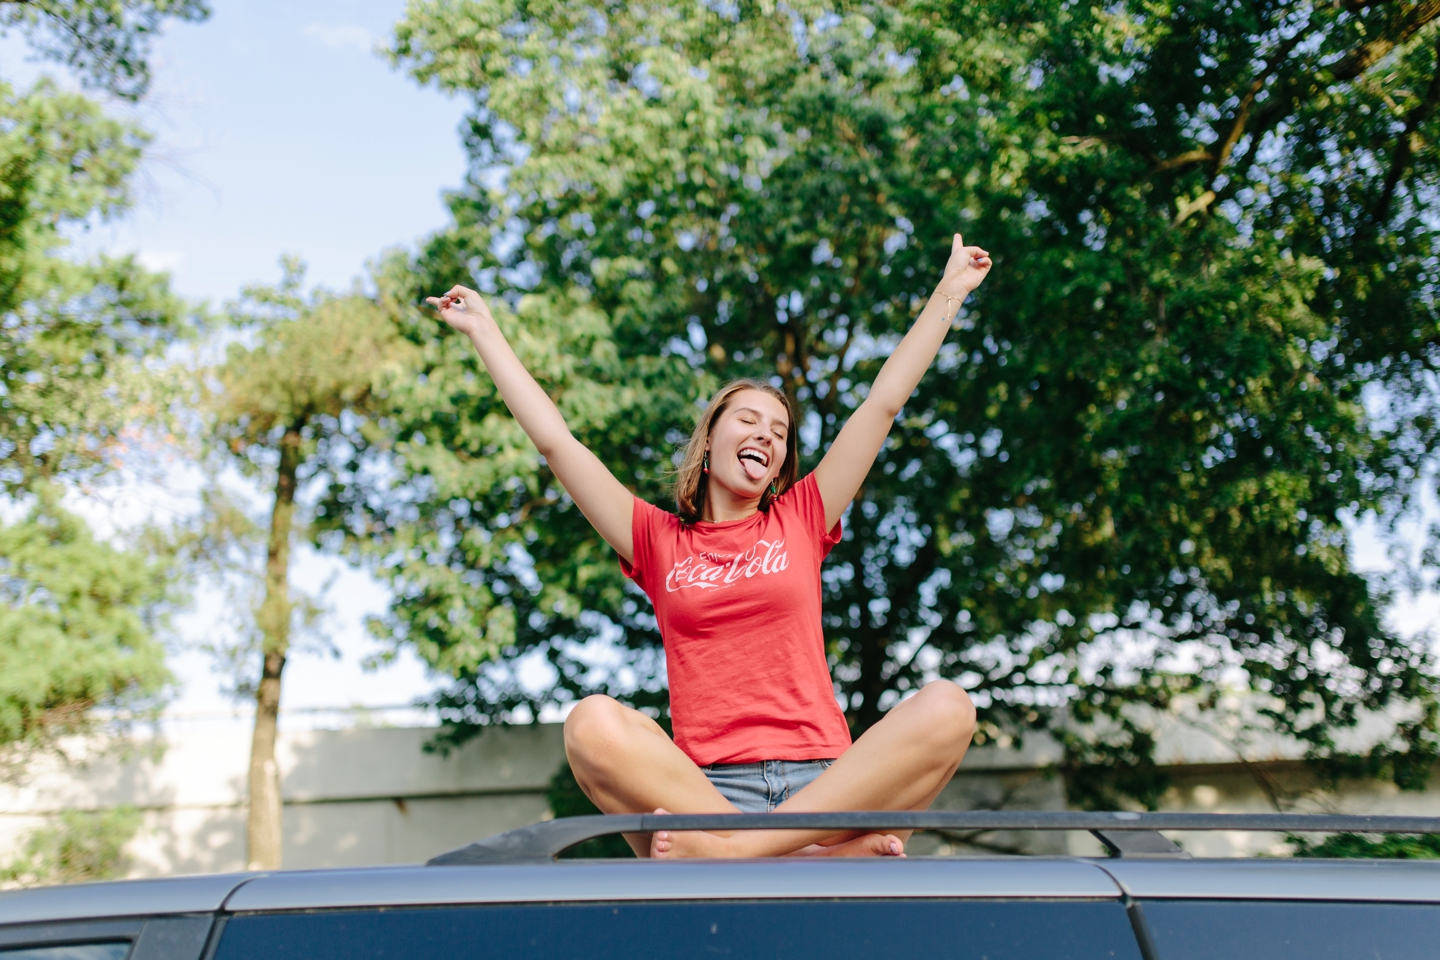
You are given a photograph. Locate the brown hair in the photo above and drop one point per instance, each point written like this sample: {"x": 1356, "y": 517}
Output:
{"x": 689, "y": 487}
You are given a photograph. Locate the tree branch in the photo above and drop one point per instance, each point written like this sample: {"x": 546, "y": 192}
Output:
{"x": 1399, "y": 30}
{"x": 1359, "y": 60}
{"x": 1219, "y": 156}
{"x": 1242, "y": 111}
{"x": 1403, "y": 149}
{"x": 1182, "y": 160}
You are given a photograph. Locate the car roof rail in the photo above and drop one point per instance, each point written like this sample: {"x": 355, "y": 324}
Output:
{"x": 1124, "y": 834}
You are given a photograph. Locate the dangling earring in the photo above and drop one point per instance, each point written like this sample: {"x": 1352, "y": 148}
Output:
{"x": 705, "y": 467}
{"x": 773, "y": 494}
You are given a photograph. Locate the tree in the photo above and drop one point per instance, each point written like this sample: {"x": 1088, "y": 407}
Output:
{"x": 76, "y": 334}
{"x": 78, "y": 620}
{"x": 1391, "y": 846}
{"x": 80, "y": 846}
{"x": 105, "y": 42}
{"x": 1124, "y": 483}
{"x": 292, "y": 395}
{"x": 77, "y": 624}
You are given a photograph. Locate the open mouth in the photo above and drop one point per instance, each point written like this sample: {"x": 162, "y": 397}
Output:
{"x": 754, "y": 462}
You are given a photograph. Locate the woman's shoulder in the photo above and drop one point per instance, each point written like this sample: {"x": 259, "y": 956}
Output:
{"x": 801, "y": 491}
{"x": 654, "y": 516}
{"x": 804, "y": 502}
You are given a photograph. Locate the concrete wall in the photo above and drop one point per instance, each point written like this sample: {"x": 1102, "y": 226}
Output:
{"x": 352, "y": 797}
{"x": 373, "y": 796}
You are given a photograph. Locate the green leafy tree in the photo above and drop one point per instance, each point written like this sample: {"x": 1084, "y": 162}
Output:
{"x": 292, "y": 395}
{"x": 77, "y": 624}
{"x": 76, "y": 334}
{"x": 105, "y": 42}
{"x": 1390, "y": 846}
{"x": 80, "y": 845}
{"x": 1126, "y": 478}
{"x": 76, "y": 389}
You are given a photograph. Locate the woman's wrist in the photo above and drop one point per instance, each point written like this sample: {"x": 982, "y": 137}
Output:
{"x": 952, "y": 290}
{"x": 949, "y": 301}
{"x": 485, "y": 329}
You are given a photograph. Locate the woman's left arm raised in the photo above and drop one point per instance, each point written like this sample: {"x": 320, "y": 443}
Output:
{"x": 850, "y": 457}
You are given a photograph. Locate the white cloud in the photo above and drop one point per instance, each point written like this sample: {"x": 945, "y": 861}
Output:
{"x": 160, "y": 261}
{"x": 341, "y": 35}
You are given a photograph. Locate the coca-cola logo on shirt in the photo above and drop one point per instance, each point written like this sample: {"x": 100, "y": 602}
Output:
{"x": 710, "y": 570}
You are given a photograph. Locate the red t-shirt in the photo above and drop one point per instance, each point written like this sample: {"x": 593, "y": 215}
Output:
{"x": 738, "y": 605}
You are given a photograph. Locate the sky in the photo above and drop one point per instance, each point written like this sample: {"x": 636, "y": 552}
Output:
{"x": 278, "y": 130}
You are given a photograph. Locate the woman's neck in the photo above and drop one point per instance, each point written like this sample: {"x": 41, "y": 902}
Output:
{"x": 722, "y": 505}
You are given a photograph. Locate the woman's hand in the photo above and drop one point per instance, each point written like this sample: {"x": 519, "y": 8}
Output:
{"x": 463, "y": 309}
{"x": 966, "y": 270}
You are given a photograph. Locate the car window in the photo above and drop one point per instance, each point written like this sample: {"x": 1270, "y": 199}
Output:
{"x": 74, "y": 951}
{"x": 1286, "y": 929}
{"x": 712, "y": 930}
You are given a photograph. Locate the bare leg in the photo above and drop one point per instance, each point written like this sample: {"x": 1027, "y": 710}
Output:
{"x": 625, "y": 763}
{"x": 901, "y": 763}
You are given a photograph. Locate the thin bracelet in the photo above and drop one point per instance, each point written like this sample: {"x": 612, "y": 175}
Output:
{"x": 948, "y": 300}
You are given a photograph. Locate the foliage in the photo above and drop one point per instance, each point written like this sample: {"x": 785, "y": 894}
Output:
{"x": 72, "y": 380}
{"x": 304, "y": 361}
{"x": 1390, "y": 846}
{"x": 77, "y": 624}
{"x": 77, "y": 386}
{"x": 293, "y": 394}
{"x": 565, "y": 799}
{"x": 83, "y": 845}
{"x": 105, "y": 42}
{"x": 304, "y": 367}
{"x": 530, "y": 575}
{"x": 1125, "y": 479}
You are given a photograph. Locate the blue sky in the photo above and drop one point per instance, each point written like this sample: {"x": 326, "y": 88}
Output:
{"x": 278, "y": 129}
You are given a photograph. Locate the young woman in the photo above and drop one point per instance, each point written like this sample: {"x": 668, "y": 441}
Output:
{"x": 735, "y": 580}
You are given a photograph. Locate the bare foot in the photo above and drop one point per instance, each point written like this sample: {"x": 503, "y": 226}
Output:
{"x": 687, "y": 844}
{"x": 869, "y": 845}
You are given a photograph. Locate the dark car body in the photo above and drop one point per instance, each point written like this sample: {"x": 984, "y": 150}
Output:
{"x": 1004, "y": 908}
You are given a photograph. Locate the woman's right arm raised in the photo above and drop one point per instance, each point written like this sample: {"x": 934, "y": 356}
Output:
{"x": 602, "y": 498}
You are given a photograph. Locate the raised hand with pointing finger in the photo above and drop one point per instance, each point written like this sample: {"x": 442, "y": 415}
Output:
{"x": 967, "y": 268}
{"x": 463, "y": 309}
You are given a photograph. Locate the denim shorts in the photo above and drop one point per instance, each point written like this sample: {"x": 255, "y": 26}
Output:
{"x": 763, "y": 786}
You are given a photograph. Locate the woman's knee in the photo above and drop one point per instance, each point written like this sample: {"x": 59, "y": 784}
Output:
{"x": 595, "y": 727}
{"x": 949, "y": 711}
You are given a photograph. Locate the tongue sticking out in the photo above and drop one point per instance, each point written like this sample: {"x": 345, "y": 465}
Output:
{"x": 753, "y": 469}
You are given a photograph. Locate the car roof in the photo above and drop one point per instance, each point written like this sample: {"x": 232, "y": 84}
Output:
{"x": 1281, "y": 878}
{"x": 612, "y": 880}
{"x": 120, "y": 898}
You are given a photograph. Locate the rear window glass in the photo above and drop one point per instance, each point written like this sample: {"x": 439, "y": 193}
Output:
{"x": 1280, "y": 930}
{"x": 78, "y": 951}
{"x": 707, "y": 930}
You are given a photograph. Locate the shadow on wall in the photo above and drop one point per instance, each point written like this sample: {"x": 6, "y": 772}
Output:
{"x": 73, "y": 847}
{"x": 376, "y": 796}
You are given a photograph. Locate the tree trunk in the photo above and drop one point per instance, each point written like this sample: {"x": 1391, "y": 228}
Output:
{"x": 263, "y": 829}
